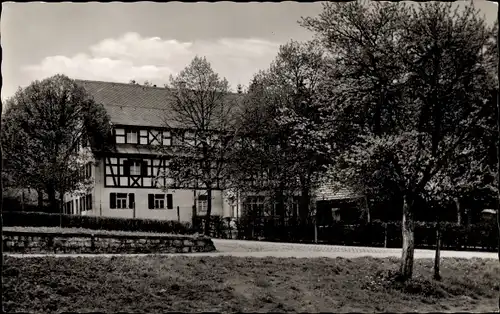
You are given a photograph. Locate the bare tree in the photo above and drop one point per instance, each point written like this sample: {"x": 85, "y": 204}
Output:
{"x": 201, "y": 118}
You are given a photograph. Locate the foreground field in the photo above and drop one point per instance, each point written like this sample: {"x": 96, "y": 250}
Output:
{"x": 231, "y": 284}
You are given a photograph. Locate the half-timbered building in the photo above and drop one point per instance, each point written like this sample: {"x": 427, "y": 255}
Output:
{"x": 126, "y": 180}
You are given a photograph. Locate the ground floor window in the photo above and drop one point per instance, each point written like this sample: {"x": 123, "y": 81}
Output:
{"x": 202, "y": 204}
{"x": 254, "y": 205}
{"x": 121, "y": 200}
{"x": 157, "y": 201}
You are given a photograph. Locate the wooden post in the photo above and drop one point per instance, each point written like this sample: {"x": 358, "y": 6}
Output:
{"x": 437, "y": 276}
{"x": 385, "y": 235}
{"x": 315, "y": 232}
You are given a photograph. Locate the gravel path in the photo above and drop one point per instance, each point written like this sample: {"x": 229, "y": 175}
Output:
{"x": 242, "y": 248}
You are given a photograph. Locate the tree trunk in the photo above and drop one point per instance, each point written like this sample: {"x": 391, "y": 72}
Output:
{"x": 408, "y": 239}
{"x": 40, "y": 199}
{"x": 498, "y": 143}
{"x": 1, "y": 216}
{"x": 459, "y": 212}
{"x": 281, "y": 204}
{"x": 22, "y": 200}
{"x": 437, "y": 275}
{"x": 209, "y": 211}
{"x": 51, "y": 193}
{"x": 304, "y": 204}
{"x": 61, "y": 208}
{"x": 367, "y": 208}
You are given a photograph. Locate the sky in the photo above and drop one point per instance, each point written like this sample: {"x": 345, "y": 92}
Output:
{"x": 119, "y": 42}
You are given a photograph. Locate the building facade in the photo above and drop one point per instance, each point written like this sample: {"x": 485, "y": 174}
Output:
{"x": 125, "y": 182}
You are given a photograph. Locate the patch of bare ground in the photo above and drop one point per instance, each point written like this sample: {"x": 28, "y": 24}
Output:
{"x": 232, "y": 284}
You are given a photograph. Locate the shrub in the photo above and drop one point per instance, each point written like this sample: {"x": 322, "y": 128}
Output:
{"x": 32, "y": 219}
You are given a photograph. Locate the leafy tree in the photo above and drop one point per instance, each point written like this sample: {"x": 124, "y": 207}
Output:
{"x": 294, "y": 78}
{"x": 414, "y": 82}
{"x": 43, "y": 128}
{"x": 202, "y": 110}
{"x": 292, "y": 147}
{"x": 262, "y": 158}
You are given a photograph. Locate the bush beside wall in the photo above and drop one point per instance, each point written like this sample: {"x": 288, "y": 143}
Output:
{"x": 31, "y": 219}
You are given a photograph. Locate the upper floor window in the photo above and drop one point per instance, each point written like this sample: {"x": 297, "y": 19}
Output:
{"x": 120, "y": 136}
{"x": 135, "y": 168}
{"x": 167, "y": 138}
{"x": 132, "y": 137}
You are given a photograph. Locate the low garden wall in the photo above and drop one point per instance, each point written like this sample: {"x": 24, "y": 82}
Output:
{"x": 23, "y": 242}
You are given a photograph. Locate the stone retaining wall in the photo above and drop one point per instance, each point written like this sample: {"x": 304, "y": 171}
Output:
{"x": 53, "y": 243}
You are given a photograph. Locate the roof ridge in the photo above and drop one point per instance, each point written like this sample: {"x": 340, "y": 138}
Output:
{"x": 121, "y": 83}
{"x": 137, "y": 85}
{"x": 137, "y": 107}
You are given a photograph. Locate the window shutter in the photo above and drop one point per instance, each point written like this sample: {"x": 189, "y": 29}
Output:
{"x": 170, "y": 204}
{"x": 131, "y": 200}
{"x": 126, "y": 167}
{"x": 90, "y": 202}
{"x": 112, "y": 200}
{"x": 144, "y": 168}
{"x": 151, "y": 201}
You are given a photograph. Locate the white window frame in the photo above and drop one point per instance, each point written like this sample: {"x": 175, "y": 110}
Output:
{"x": 121, "y": 201}
{"x": 202, "y": 205}
{"x": 159, "y": 201}
{"x": 120, "y": 136}
{"x": 131, "y": 136}
{"x": 135, "y": 168}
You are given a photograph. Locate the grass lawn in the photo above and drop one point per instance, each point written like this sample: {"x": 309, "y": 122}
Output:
{"x": 231, "y": 284}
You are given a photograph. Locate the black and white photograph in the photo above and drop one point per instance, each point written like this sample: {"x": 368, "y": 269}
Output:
{"x": 242, "y": 157}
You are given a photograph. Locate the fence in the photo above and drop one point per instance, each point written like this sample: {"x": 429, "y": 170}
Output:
{"x": 481, "y": 236}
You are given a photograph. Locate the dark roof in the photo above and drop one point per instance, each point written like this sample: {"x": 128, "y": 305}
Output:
{"x": 330, "y": 192}
{"x": 132, "y": 104}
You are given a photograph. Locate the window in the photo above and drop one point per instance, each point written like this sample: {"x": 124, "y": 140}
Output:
{"x": 88, "y": 200}
{"x": 135, "y": 168}
{"x": 157, "y": 201}
{"x": 76, "y": 206}
{"x": 120, "y": 200}
{"x": 254, "y": 205}
{"x": 143, "y": 137}
{"x": 132, "y": 137}
{"x": 202, "y": 204}
{"x": 167, "y": 138}
{"x": 83, "y": 204}
{"x": 120, "y": 136}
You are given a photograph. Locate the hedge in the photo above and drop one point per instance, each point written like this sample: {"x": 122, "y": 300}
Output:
{"x": 31, "y": 219}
